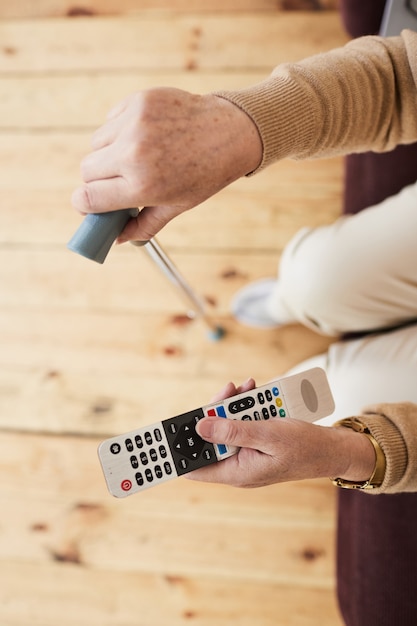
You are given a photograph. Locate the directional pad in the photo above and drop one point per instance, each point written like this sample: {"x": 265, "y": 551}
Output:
{"x": 187, "y": 443}
{"x": 188, "y": 450}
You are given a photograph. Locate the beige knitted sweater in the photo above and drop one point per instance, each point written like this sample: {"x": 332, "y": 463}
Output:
{"x": 353, "y": 99}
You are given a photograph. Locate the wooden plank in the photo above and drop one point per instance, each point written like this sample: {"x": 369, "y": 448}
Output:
{"x": 183, "y": 42}
{"x": 78, "y": 515}
{"x": 72, "y": 371}
{"x": 134, "y": 540}
{"x": 77, "y": 596}
{"x": 130, "y": 282}
{"x": 56, "y": 8}
{"x": 82, "y": 101}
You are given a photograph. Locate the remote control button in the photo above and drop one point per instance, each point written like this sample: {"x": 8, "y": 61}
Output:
{"x": 115, "y": 448}
{"x": 261, "y": 398}
{"x": 268, "y": 395}
{"x": 282, "y": 413}
{"x": 278, "y": 402}
{"x": 163, "y": 451}
{"x": 208, "y": 454}
{"x": 221, "y": 448}
{"x": 149, "y": 475}
{"x": 129, "y": 445}
{"x": 241, "y": 405}
{"x": 143, "y": 458}
{"x": 273, "y": 411}
{"x": 187, "y": 442}
{"x": 220, "y": 411}
{"x": 173, "y": 428}
{"x": 246, "y": 418}
{"x": 265, "y": 413}
{"x": 134, "y": 462}
{"x": 184, "y": 463}
{"x": 275, "y": 391}
{"x": 211, "y": 412}
{"x": 167, "y": 468}
{"x": 257, "y": 416}
{"x": 126, "y": 485}
{"x": 158, "y": 471}
{"x": 139, "y": 479}
{"x": 153, "y": 454}
{"x": 309, "y": 395}
{"x": 139, "y": 441}
{"x": 148, "y": 438}
{"x": 157, "y": 434}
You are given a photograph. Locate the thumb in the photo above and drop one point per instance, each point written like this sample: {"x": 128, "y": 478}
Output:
{"x": 148, "y": 223}
{"x": 230, "y": 432}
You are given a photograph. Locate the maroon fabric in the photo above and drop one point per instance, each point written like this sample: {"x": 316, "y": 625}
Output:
{"x": 362, "y": 17}
{"x": 377, "y": 535}
{"x": 371, "y": 177}
{"x": 377, "y": 559}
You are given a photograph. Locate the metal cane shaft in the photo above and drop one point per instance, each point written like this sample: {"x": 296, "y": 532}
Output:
{"x": 162, "y": 260}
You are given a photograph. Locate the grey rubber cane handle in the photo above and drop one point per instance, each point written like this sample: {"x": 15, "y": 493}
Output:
{"x": 97, "y": 233}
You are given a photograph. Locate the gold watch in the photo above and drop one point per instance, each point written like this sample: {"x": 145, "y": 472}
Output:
{"x": 377, "y": 477}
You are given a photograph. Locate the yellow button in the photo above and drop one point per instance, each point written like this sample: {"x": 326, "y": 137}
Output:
{"x": 278, "y": 402}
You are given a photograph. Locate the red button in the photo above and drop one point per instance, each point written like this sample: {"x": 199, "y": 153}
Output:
{"x": 126, "y": 485}
{"x": 211, "y": 413}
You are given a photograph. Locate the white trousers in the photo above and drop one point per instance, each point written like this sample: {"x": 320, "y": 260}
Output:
{"x": 359, "y": 274}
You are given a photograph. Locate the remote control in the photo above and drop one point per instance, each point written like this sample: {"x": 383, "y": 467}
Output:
{"x": 164, "y": 450}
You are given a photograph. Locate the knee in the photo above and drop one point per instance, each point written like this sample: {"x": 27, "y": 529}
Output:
{"x": 316, "y": 287}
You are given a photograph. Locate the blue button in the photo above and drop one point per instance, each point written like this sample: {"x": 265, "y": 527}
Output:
{"x": 221, "y": 448}
{"x": 275, "y": 391}
{"x": 220, "y": 411}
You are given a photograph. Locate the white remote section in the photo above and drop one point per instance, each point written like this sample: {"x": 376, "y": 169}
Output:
{"x": 154, "y": 454}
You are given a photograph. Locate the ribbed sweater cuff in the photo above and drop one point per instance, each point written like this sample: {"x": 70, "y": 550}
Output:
{"x": 291, "y": 130}
{"x": 393, "y": 445}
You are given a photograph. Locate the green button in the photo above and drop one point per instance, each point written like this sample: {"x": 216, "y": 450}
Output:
{"x": 282, "y": 413}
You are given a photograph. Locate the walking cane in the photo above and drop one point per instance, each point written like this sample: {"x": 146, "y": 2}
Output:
{"x": 96, "y": 235}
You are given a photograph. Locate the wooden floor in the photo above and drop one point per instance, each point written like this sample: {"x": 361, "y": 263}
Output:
{"x": 88, "y": 351}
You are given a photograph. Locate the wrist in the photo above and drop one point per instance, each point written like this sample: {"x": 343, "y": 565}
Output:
{"x": 244, "y": 139}
{"x": 364, "y": 460}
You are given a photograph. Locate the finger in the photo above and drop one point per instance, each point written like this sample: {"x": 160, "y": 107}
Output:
{"x": 242, "y": 434}
{"x": 118, "y": 108}
{"x": 106, "y": 134}
{"x": 227, "y": 391}
{"x": 248, "y": 385}
{"x": 221, "y": 473}
{"x": 248, "y": 469}
{"x": 231, "y": 390}
{"x": 101, "y": 196}
{"x": 99, "y": 164}
{"x": 148, "y": 223}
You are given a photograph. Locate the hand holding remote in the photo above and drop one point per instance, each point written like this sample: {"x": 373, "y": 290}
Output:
{"x": 173, "y": 447}
{"x": 282, "y": 450}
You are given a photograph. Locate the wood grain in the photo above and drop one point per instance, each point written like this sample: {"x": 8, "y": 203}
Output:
{"x": 93, "y": 8}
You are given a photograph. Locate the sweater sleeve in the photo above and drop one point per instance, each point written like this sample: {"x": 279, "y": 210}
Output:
{"x": 360, "y": 97}
{"x": 394, "y": 426}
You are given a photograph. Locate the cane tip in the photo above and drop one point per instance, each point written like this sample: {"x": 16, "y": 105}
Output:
{"x": 216, "y": 333}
